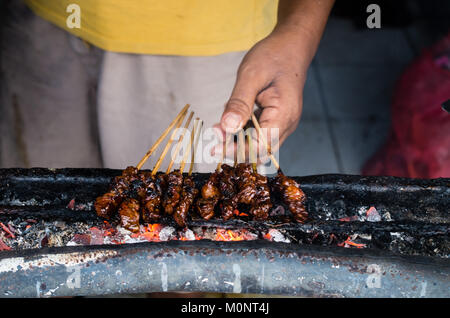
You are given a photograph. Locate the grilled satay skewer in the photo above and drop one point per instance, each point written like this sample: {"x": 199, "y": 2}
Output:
{"x": 130, "y": 209}
{"x": 210, "y": 193}
{"x": 188, "y": 191}
{"x": 290, "y": 190}
{"x": 227, "y": 187}
{"x": 108, "y": 203}
{"x": 261, "y": 207}
{"x": 172, "y": 181}
{"x": 151, "y": 190}
{"x": 246, "y": 182}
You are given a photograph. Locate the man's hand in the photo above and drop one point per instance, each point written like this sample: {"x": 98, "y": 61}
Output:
{"x": 273, "y": 72}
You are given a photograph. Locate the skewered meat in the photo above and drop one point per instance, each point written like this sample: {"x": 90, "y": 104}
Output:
{"x": 188, "y": 194}
{"x": 262, "y": 205}
{"x": 246, "y": 183}
{"x": 106, "y": 204}
{"x": 227, "y": 187}
{"x": 172, "y": 195}
{"x": 292, "y": 195}
{"x": 129, "y": 214}
{"x": 140, "y": 194}
{"x": 210, "y": 196}
{"x": 150, "y": 197}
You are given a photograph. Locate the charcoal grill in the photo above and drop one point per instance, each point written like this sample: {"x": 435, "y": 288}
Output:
{"x": 403, "y": 252}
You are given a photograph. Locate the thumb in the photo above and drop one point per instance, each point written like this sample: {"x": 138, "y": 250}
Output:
{"x": 240, "y": 105}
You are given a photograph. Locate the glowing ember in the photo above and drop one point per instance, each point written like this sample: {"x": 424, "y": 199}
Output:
{"x": 149, "y": 233}
{"x": 237, "y": 213}
{"x": 229, "y": 235}
{"x": 7, "y": 230}
{"x": 276, "y": 236}
{"x": 348, "y": 243}
{"x": 373, "y": 215}
{"x": 349, "y": 218}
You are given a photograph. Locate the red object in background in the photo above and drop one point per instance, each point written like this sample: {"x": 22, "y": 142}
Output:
{"x": 419, "y": 142}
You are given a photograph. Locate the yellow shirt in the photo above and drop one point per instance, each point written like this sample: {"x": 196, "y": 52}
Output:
{"x": 169, "y": 27}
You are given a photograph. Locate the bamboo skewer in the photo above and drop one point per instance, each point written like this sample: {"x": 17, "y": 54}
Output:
{"x": 191, "y": 167}
{"x": 160, "y": 139}
{"x": 186, "y": 152}
{"x": 180, "y": 140}
{"x": 269, "y": 150}
{"x": 169, "y": 143}
{"x": 241, "y": 147}
{"x": 251, "y": 155}
{"x": 227, "y": 141}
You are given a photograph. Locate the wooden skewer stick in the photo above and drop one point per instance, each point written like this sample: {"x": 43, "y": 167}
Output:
{"x": 183, "y": 160}
{"x": 164, "y": 134}
{"x": 241, "y": 146}
{"x": 269, "y": 150}
{"x": 191, "y": 167}
{"x": 227, "y": 141}
{"x": 169, "y": 143}
{"x": 251, "y": 154}
{"x": 180, "y": 140}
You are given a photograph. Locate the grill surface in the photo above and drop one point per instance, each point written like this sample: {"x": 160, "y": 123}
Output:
{"x": 406, "y": 255}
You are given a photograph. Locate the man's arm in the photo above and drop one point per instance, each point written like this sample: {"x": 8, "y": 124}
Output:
{"x": 273, "y": 72}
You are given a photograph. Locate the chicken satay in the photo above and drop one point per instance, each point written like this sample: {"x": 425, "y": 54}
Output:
{"x": 227, "y": 187}
{"x": 210, "y": 196}
{"x": 292, "y": 195}
{"x": 172, "y": 196}
{"x": 150, "y": 197}
{"x": 246, "y": 183}
{"x": 108, "y": 203}
{"x": 129, "y": 214}
{"x": 262, "y": 205}
{"x": 188, "y": 194}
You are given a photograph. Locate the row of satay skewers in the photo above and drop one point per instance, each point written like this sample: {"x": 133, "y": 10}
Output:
{"x": 147, "y": 195}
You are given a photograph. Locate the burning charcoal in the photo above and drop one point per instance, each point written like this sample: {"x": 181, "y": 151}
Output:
{"x": 387, "y": 217}
{"x": 166, "y": 233}
{"x": 3, "y": 246}
{"x": 71, "y": 204}
{"x": 43, "y": 242}
{"x": 276, "y": 236}
{"x": 373, "y": 215}
{"x": 60, "y": 224}
{"x": 81, "y": 239}
{"x": 96, "y": 236}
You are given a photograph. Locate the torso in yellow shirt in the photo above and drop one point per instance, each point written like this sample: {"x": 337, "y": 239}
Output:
{"x": 169, "y": 27}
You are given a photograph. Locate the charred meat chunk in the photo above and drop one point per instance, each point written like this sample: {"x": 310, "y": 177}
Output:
{"x": 188, "y": 194}
{"x": 227, "y": 187}
{"x": 150, "y": 197}
{"x": 246, "y": 183}
{"x": 172, "y": 195}
{"x": 292, "y": 196}
{"x": 210, "y": 196}
{"x": 106, "y": 204}
{"x": 262, "y": 205}
{"x": 129, "y": 214}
